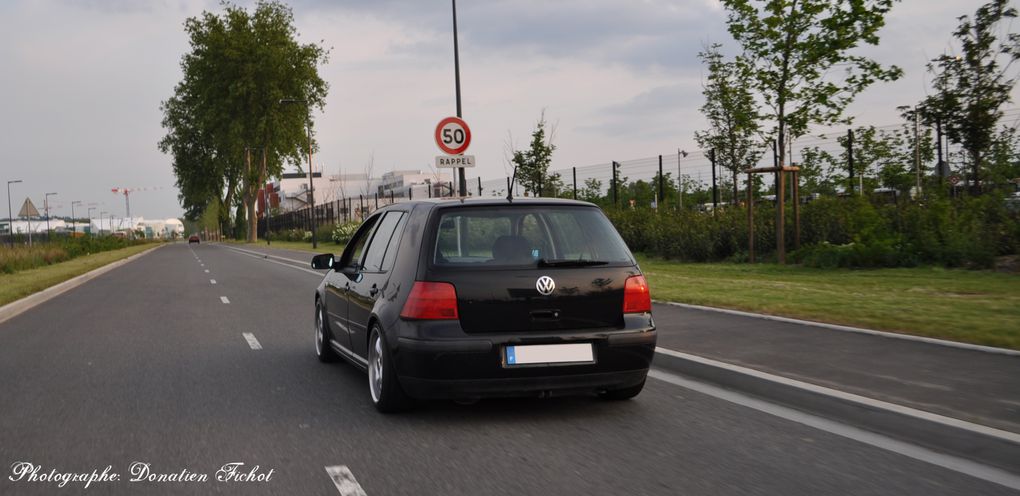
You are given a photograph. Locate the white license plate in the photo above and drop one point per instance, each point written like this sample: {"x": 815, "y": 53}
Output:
{"x": 549, "y": 354}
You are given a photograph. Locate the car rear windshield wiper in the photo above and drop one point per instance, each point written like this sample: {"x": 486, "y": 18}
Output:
{"x": 565, "y": 262}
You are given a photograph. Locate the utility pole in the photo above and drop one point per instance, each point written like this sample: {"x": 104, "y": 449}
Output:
{"x": 917, "y": 149}
{"x": 941, "y": 165}
{"x": 46, "y": 206}
{"x": 662, "y": 190}
{"x": 715, "y": 188}
{"x": 74, "y": 225}
{"x": 265, "y": 194}
{"x": 850, "y": 157}
{"x": 10, "y": 213}
{"x": 456, "y": 70}
{"x": 615, "y": 165}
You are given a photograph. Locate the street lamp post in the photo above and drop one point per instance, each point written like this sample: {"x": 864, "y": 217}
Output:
{"x": 74, "y": 225}
{"x": 46, "y": 205}
{"x": 311, "y": 187}
{"x": 10, "y": 214}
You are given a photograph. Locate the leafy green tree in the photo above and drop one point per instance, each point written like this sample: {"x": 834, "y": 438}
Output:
{"x": 228, "y": 103}
{"x": 591, "y": 191}
{"x": 798, "y": 53}
{"x": 734, "y": 131}
{"x": 533, "y": 164}
{"x": 817, "y": 171}
{"x": 1003, "y": 157}
{"x": 971, "y": 88}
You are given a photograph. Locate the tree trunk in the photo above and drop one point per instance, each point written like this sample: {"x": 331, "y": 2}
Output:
{"x": 975, "y": 157}
{"x": 736, "y": 199}
{"x": 253, "y": 221}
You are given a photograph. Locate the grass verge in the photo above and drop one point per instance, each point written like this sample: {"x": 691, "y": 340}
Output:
{"x": 980, "y": 307}
{"x": 23, "y": 283}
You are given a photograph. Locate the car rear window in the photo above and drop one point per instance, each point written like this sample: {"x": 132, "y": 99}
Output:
{"x": 527, "y": 236}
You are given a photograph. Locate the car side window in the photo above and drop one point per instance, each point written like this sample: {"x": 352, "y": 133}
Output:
{"x": 356, "y": 248}
{"x": 380, "y": 241}
{"x": 391, "y": 250}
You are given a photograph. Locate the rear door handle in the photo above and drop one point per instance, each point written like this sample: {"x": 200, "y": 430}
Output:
{"x": 373, "y": 291}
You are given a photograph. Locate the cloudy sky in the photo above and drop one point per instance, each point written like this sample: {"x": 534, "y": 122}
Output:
{"x": 82, "y": 81}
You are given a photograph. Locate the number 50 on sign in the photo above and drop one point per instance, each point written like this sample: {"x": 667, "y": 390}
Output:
{"x": 453, "y": 135}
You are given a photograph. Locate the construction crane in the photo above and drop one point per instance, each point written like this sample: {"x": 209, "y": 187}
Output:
{"x": 127, "y": 199}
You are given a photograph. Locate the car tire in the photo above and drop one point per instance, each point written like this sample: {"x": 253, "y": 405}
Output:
{"x": 623, "y": 394}
{"x": 383, "y": 385}
{"x": 323, "y": 350}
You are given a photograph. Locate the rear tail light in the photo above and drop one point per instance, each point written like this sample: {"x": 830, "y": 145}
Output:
{"x": 431, "y": 301}
{"x": 636, "y": 297}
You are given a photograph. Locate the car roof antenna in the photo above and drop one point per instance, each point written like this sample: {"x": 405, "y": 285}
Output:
{"x": 510, "y": 190}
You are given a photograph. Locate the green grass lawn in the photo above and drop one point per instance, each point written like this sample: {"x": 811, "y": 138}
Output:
{"x": 980, "y": 307}
{"x": 23, "y": 283}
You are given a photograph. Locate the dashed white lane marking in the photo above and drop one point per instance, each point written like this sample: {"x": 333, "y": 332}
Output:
{"x": 250, "y": 338}
{"x": 224, "y": 300}
{"x": 206, "y": 271}
{"x": 212, "y": 281}
{"x": 344, "y": 481}
{"x": 956, "y": 464}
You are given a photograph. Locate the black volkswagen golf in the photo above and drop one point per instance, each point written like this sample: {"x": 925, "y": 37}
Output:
{"x": 465, "y": 299}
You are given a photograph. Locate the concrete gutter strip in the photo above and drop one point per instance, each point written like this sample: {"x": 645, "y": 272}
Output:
{"x": 980, "y": 443}
{"x": 843, "y": 328}
{"x": 17, "y": 307}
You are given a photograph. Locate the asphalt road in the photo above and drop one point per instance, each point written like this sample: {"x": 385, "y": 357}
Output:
{"x": 149, "y": 363}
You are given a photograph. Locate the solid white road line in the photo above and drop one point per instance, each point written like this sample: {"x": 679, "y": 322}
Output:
{"x": 262, "y": 255}
{"x": 953, "y": 463}
{"x": 224, "y": 300}
{"x": 263, "y": 258}
{"x": 212, "y": 281}
{"x": 843, "y": 328}
{"x": 850, "y": 397}
{"x": 250, "y": 338}
{"x": 344, "y": 481}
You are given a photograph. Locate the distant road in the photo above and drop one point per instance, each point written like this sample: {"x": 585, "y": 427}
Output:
{"x": 154, "y": 362}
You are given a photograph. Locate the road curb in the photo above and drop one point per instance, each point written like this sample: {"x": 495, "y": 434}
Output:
{"x": 17, "y": 307}
{"x": 843, "y": 328}
{"x": 986, "y": 445}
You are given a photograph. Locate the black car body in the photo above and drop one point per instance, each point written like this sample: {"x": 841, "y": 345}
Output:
{"x": 447, "y": 299}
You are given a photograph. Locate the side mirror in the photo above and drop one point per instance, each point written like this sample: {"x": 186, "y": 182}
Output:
{"x": 324, "y": 261}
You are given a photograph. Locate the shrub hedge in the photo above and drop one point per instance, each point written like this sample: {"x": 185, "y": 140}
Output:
{"x": 836, "y": 232}
{"x": 23, "y": 257}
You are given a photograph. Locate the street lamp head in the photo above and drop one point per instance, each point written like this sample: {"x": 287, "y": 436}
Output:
{"x": 14, "y": 182}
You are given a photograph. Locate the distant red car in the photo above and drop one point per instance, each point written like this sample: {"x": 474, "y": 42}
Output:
{"x": 193, "y": 239}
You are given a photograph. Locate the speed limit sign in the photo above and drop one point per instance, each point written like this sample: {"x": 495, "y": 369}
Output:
{"x": 453, "y": 135}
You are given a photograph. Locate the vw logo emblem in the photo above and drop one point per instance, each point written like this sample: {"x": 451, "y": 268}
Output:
{"x": 545, "y": 285}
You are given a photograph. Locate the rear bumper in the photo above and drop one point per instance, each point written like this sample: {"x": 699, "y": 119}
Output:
{"x": 442, "y": 363}
{"x": 554, "y": 385}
